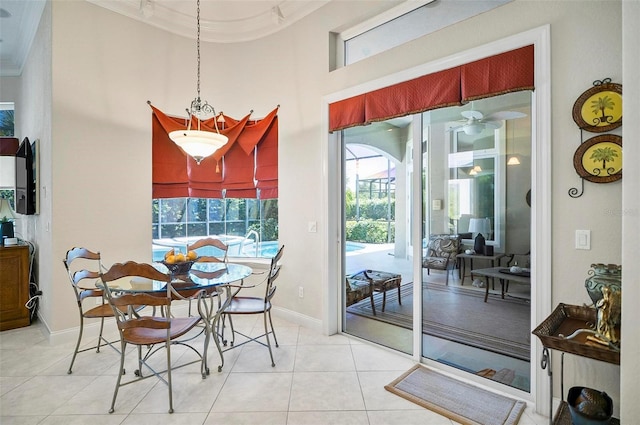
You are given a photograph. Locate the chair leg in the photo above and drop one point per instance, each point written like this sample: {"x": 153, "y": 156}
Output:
{"x": 233, "y": 332}
{"x": 273, "y": 331}
{"x": 168, "y": 348}
{"x": 123, "y": 346}
{"x": 373, "y": 306}
{"x": 399, "y": 298}
{"x": 447, "y": 277}
{"x": 100, "y": 338}
{"x": 384, "y": 298}
{"x": 75, "y": 352}
{"x": 266, "y": 333}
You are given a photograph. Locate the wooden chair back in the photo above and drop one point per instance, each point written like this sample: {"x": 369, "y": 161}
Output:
{"x": 216, "y": 245}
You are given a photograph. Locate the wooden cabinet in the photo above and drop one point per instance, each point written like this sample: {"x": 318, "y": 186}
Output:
{"x": 14, "y": 286}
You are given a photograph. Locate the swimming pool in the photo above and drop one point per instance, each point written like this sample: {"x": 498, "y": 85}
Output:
{"x": 247, "y": 249}
{"x": 269, "y": 249}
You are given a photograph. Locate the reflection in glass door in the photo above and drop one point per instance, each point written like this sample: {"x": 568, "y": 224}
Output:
{"x": 378, "y": 299}
{"x": 475, "y": 318}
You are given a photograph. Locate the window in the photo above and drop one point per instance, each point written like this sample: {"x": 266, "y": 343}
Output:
{"x": 401, "y": 24}
{"x": 248, "y": 226}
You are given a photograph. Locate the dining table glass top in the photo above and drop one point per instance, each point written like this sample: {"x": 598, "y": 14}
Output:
{"x": 201, "y": 276}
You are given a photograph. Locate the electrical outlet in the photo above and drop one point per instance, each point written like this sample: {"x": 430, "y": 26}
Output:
{"x": 301, "y": 292}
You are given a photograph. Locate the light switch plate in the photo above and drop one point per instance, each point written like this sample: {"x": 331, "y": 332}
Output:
{"x": 583, "y": 239}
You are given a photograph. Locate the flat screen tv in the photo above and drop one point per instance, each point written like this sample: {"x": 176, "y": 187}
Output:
{"x": 25, "y": 197}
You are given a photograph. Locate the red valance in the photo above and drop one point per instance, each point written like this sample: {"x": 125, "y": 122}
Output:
{"x": 499, "y": 74}
{"x": 503, "y": 73}
{"x": 347, "y": 113}
{"x": 230, "y": 171}
{"x": 431, "y": 91}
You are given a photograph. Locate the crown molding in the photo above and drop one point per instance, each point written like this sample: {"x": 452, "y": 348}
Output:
{"x": 270, "y": 18}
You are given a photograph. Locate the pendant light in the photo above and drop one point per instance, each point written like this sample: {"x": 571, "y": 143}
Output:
{"x": 199, "y": 143}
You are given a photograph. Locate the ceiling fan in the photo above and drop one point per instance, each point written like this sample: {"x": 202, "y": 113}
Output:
{"x": 476, "y": 121}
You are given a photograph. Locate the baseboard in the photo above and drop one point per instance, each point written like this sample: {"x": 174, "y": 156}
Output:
{"x": 298, "y": 318}
{"x": 91, "y": 330}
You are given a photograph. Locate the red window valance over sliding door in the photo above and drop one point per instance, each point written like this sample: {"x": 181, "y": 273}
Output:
{"x": 503, "y": 73}
{"x": 248, "y": 161}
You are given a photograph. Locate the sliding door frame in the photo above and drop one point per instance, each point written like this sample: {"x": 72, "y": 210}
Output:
{"x": 333, "y": 266}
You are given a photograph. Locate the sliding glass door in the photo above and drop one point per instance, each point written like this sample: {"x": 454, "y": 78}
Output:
{"x": 477, "y": 174}
{"x": 475, "y": 225}
{"x": 378, "y": 262}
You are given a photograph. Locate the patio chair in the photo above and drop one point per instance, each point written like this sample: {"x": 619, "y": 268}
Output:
{"x": 441, "y": 253}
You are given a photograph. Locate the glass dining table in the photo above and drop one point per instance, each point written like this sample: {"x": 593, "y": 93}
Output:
{"x": 209, "y": 284}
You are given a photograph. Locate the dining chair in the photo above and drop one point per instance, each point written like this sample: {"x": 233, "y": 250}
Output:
{"x": 256, "y": 305}
{"x": 78, "y": 258}
{"x": 209, "y": 250}
{"x": 213, "y": 250}
{"x": 154, "y": 331}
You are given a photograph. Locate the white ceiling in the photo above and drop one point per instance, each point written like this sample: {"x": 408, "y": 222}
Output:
{"x": 222, "y": 21}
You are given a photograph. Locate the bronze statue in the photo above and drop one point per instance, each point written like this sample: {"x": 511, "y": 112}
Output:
{"x": 608, "y": 315}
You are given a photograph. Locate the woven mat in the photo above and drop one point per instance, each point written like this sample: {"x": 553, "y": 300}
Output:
{"x": 457, "y": 400}
{"x": 500, "y": 326}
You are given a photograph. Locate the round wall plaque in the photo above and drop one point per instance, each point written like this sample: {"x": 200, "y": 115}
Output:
{"x": 599, "y": 159}
{"x": 599, "y": 108}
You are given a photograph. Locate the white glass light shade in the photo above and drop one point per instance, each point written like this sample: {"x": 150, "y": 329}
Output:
{"x": 5, "y": 210}
{"x": 473, "y": 128}
{"x": 197, "y": 143}
{"x": 480, "y": 225}
{"x": 513, "y": 160}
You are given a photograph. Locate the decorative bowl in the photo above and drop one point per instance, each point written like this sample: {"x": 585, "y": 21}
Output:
{"x": 179, "y": 269}
{"x": 589, "y": 407}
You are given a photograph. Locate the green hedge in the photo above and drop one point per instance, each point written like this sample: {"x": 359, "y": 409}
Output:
{"x": 373, "y": 209}
{"x": 368, "y": 231}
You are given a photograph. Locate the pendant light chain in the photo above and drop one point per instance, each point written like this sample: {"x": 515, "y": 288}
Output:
{"x": 198, "y": 46}
{"x": 198, "y": 108}
{"x": 200, "y": 143}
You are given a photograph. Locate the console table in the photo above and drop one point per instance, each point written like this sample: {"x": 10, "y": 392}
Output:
{"x": 564, "y": 321}
{"x": 463, "y": 257}
{"x": 14, "y": 286}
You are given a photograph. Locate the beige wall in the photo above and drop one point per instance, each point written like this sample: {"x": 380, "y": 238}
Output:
{"x": 105, "y": 67}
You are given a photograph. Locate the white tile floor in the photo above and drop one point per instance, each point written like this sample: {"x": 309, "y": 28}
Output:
{"x": 317, "y": 380}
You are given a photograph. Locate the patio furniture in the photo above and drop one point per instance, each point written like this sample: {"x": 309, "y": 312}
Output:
{"x": 441, "y": 253}
{"x": 370, "y": 281}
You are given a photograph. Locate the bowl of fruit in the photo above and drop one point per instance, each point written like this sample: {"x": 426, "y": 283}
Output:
{"x": 179, "y": 264}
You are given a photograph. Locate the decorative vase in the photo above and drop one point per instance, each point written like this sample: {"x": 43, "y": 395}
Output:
{"x": 602, "y": 275}
{"x": 478, "y": 246}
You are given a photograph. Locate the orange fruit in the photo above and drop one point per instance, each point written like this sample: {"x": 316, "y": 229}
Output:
{"x": 169, "y": 253}
{"x": 191, "y": 255}
{"x": 170, "y": 259}
{"x": 180, "y": 258}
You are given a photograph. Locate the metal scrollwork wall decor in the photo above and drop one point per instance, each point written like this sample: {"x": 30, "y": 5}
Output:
{"x": 598, "y": 110}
